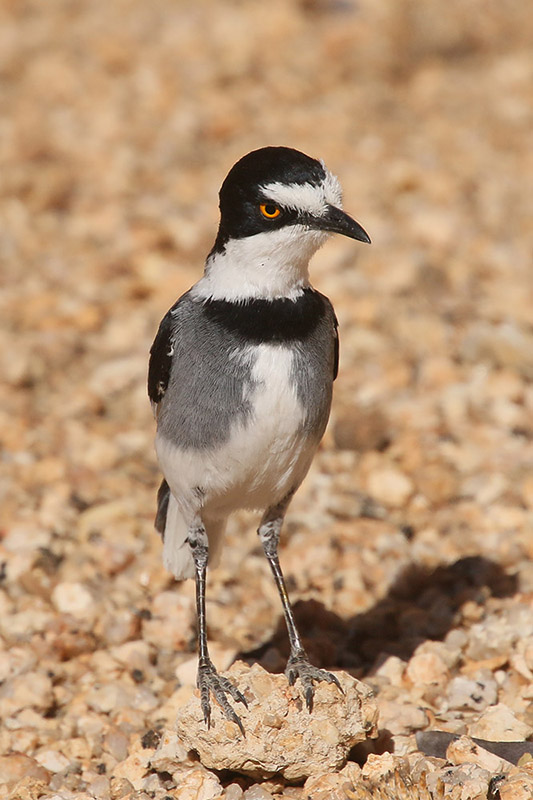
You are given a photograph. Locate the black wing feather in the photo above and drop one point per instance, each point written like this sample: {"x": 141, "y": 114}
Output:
{"x": 335, "y": 345}
{"x": 161, "y": 359}
{"x": 163, "y": 497}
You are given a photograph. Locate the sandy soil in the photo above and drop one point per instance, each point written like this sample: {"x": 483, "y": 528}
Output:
{"x": 409, "y": 546}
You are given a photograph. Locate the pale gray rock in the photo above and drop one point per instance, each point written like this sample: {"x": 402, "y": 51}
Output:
{"x": 30, "y": 690}
{"x": 169, "y": 753}
{"x": 16, "y": 766}
{"x": 465, "y": 751}
{"x": 472, "y": 693}
{"x": 327, "y": 786}
{"x": 281, "y": 735}
{"x": 233, "y": 792}
{"x": 467, "y": 780}
{"x": 198, "y": 784}
{"x": 516, "y": 787}
{"x": 52, "y": 760}
{"x": 135, "y": 767}
{"x": 399, "y": 717}
{"x": 499, "y": 724}
{"x": 257, "y": 792}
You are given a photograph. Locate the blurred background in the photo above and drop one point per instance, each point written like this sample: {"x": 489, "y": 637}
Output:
{"x": 118, "y": 122}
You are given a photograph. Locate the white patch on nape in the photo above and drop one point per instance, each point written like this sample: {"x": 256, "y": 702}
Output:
{"x": 332, "y": 188}
{"x": 267, "y": 265}
{"x": 307, "y": 197}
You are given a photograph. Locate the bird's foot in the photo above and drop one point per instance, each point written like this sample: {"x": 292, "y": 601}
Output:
{"x": 299, "y": 666}
{"x": 209, "y": 681}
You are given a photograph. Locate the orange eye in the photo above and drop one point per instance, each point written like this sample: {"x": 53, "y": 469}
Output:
{"x": 269, "y": 210}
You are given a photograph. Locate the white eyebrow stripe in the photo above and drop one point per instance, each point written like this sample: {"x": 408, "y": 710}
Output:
{"x": 306, "y": 196}
{"x": 300, "y": 196}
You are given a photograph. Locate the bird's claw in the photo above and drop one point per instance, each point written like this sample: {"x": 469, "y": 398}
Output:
{"x": 299, "y": 667}
{"x": 210, "y": 682}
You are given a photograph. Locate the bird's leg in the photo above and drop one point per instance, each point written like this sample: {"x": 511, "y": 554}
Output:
{"x": 298, "y": 665}
{"x": 208, "y": 679}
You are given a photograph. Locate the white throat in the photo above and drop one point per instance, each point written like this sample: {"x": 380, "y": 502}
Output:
{"x": 267, "y": 265}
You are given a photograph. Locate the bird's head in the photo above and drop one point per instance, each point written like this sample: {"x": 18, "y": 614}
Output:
{"x": 277, "y": 207}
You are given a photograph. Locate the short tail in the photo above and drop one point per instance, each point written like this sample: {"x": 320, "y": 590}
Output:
{"x": 177, "y": 556}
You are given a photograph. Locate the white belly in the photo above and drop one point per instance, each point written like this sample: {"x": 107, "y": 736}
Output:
{"x": 264, "y": 458}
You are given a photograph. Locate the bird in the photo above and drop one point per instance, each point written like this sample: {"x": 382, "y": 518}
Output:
{"x": 240, "y": 379}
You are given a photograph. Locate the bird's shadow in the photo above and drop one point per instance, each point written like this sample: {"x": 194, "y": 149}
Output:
{"x": 420, "y": 604}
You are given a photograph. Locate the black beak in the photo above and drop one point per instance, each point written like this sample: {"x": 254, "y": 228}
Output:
{"x": 337, "y": 221}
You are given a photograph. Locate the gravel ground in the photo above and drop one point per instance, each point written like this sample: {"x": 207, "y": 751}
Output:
{"x": 409, "y": 546}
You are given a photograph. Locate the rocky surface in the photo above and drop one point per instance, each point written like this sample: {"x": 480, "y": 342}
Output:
{"x": 408, "y": 549}
{"x": 280, "y": 734}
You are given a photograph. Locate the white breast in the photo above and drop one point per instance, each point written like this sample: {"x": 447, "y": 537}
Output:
{"x": 264, "y": 458}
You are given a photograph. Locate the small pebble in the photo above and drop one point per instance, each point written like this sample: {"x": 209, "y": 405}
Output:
{"x": 73, "y": 598}
{"x": 390, "y": 486}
